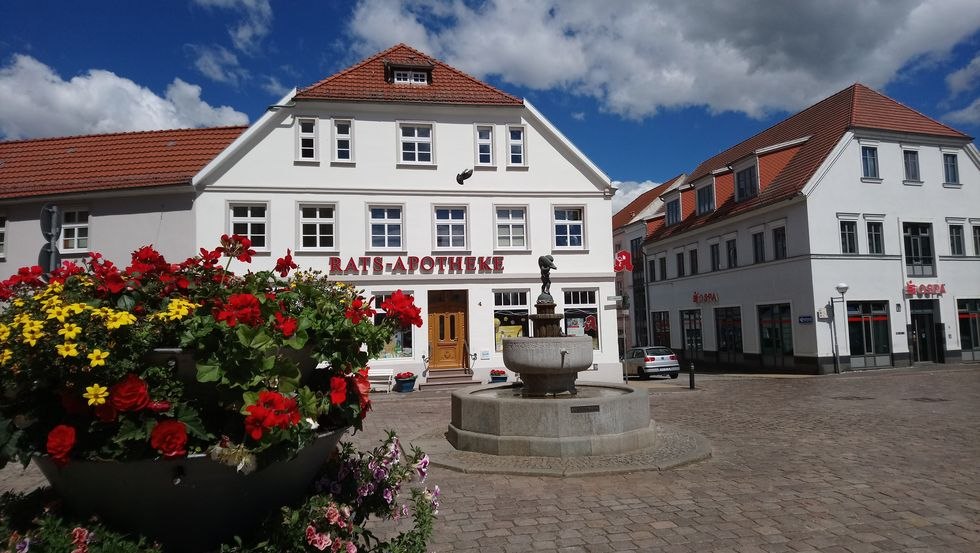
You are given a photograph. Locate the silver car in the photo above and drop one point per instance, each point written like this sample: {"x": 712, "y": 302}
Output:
{"x": 643, "y": 362}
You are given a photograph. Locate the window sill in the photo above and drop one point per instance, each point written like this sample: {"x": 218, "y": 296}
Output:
{"x": 485, "y": 168}
{"x": 912, "y": 182}
{"x": 517, "y": 167}
{"x": 342, "y": 163}
{"x": 307, "y": 162}
{"x": 382, "y": 252}
{"x": 515, "y": 251}
{"x": 408, "y": 165}
{"x": 451, "y": 252}
{"x": 556, "y": 250}
{"x": 316, "y": 252}
{"x": 871, "y": 180}
{"x": 952, "y": 185}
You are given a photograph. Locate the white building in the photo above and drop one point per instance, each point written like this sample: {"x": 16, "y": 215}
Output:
{"x": 361, "y": 175}
{"x": 857, "y": 190}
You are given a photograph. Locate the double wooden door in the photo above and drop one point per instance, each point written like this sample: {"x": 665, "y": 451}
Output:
{"x": 447, "y": 329}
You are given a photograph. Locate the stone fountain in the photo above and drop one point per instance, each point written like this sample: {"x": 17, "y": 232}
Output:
{"x": 548, "y": 414}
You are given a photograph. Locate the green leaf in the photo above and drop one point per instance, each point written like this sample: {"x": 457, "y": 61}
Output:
{"x": 209, "y": 373}
{"x": 297, "y": 340}
{"x": 192, "y": 420}
{"x": 130, "y": 430}
{"x": 255, "y": 338}
{"x": 126, "y": 302}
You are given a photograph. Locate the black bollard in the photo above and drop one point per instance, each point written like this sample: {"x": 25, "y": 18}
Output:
{"x": 691, "y": 373}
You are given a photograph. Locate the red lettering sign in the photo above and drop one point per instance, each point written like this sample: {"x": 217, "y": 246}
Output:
{"x": 411, "y": 264}
{"x": 624, "y": 261}
{"x": 704, "y": 297}
{"x": 912, "y": 289}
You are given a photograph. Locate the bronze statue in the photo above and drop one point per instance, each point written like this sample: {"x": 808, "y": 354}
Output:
{"x": 546, "y": 263}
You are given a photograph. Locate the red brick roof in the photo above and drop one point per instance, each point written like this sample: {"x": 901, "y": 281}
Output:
{"x": 855, "y": 107}
{"x": 625, "y": 215}
{"x": 108, "y": 161}
{"x": 365, "y": 82}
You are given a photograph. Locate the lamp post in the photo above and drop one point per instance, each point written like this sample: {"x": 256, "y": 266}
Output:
{"x": 841, "y": 289}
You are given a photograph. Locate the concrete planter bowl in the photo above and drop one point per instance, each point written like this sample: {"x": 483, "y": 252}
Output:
{"x": 548, "y": 366}
{"x": 190, "y": 505}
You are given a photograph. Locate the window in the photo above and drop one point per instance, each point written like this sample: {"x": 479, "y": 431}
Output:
{"x": 661, "y": 328}
{"x": 680, "y": 264}
{"x": 950, "y": 170}
{"x": 779, "y": 243}
{"x": 317, "y": 227}
{"x": 411, "y": 77}
{"x": 662, "y": 262}
{"x": 746, "y": 183}
{"x": 510, "y": 315}
{"x": 706, "y": 199}
{"x": 976, "y": 240}
{"x": 911, "y": 165}
{"x": 568, "y": 227}
{"x": 674, "y": 212}
{"x": 515, "y": 146}
{"x": 728, "y": 333}
{"x": 869, "y": 162}
{"x": 400, "y": 344}
{"x": 511, "y": 227}
{"x": 651, "y": 270}
{"x": 484, "y": 145}
{"x": 343, "y": 140}
{"x": 693, "y": 258}
{"x": 868, "y": 334}
{"x": 731, "y": 249}
{"x": 848, "y": 237}
{"x": 306, "y": 139}
{"x": 758, "y": 247}
{"x": 691, "y": 333}
{"x": 416, "y": 143}
{"x": 968, "y": 313}
{"x": 956, "y": 244}
{"x": 582, "y": 314}
{"x": 451, "y": 227}
{"x": 249, "y": 220}
{"x": 715, "y": 254}
{"x": 919, "y": 260}
{"x": 386, "y": 227}
{"x": 3, "y": 236}
{"x": 876, "y": 241}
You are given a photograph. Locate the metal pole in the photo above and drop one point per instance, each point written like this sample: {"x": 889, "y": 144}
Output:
{"x": 691, "y": 374}
{"x": 833, "y": 337}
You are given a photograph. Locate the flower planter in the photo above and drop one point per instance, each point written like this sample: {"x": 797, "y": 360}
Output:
{"x": 188, "y": 504}
{"x": 495, "y": 379}
{"x": 404, "y": 385}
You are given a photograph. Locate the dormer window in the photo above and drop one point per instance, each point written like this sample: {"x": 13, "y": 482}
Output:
{"x": 402, "y": 76}
{"x": 674, "y": 212}
{"x": 746, "y": 184}
{"x": 706, "y": 199}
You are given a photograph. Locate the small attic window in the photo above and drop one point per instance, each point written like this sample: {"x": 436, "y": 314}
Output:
{"x": 411, "y": 77}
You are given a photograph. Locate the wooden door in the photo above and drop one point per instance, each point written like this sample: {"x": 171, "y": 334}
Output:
{"x": 447, "y": 329}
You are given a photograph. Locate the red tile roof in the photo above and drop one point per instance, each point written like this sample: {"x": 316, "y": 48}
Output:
{"x": 855, "y": 107}
{"x": 47, "y": 166}
{"x": 625, "y": 215}
{"x": 365, "y": 82}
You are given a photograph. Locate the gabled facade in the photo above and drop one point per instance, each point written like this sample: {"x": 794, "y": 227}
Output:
{"x": 857, "y": 190}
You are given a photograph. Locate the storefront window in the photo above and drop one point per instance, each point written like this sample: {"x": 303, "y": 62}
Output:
{"x": 969, "y": 317}
{"x": 867, "y": 328}
{"x": 661, "y": 328}
{"x": 691, "y": 327}
{"x": 728, "y": 323}
{"x": 582, "y": 315}
{"x": 400, "y": 345}
{"x": 775, "y": 335}
{"x": 510, "y": 315}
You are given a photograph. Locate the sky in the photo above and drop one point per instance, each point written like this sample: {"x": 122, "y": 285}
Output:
{"x": 645, "y": 88}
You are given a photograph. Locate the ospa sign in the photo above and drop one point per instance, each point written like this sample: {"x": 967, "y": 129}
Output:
{"x": 406, "y": 264}
{"x": 912, "y": 289}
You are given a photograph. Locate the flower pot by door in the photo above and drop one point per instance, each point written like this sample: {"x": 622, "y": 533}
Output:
{"x": 190, "y": 505}
{"x": 404, "y": 385}
{"x": 495, "y": 379}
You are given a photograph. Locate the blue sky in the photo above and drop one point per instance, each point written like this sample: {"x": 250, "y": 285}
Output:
{"x": 645, "y": 88}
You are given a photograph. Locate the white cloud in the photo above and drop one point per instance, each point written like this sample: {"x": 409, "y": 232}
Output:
{"x": 965, "y": 78}
{"x": 218, "y": 64}
{"x": 275, "y": 88}
{"x": 578, "y": 115}
{"x": 627, "y": 191}
{"x": 969, "y": 115}
{"x": 248, "y": 33}
{"x": 644, "y": 56}
{"x": 35, "y": 101}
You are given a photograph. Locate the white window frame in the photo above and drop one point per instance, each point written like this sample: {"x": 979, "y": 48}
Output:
{"x": 672, "y": 216}
{"x": 510, "y": 223}
{"x": 555, "y": 222}
{"x": 317, "y": 220}
{"x": 754, "y": 185}
{"x": 583, "y": 298}
{"x": 337, "y": 137}
{"x": 415, "y": 139}
{"x": 956, "y": 169}
{"x": 314, "y": 136}
{"x": 386, "y": 221}
{"x": 250, "y": 220}
{"x": 905, "y": 166}
{"x": 3, "y": 235}
{"x": 450, "y": 224}
{"x": 962, "y": 243}
{"x": 408, "y": 76}
{"x": 380, "y": 297}
{"x": 488, "y": 142}
{"x": 522, "y": 143}
{"x": 73, "y": 228}
{"x": 710, "y": 187}
{"x": 866, "y": 174}
{"x": 514, "y": 296}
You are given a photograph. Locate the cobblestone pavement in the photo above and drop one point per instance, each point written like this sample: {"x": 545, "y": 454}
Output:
{"x": 874, "y": 461}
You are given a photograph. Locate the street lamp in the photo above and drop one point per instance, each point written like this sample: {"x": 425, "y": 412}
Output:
{"x": 841, "y": 289}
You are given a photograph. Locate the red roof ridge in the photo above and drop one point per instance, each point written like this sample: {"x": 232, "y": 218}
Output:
{"x": 122, "y": 133}
{"x": 357, "y": 65}
{"x": 867, "y": 89}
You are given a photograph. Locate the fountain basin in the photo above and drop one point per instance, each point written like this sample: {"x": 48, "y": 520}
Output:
{"x": 602, "y": 419}
{"x": 548, "y": 365}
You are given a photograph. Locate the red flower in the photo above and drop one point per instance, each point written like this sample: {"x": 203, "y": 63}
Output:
{"x": 402, "y": 308}
{"x": 158, "y": 406}
{"x": 169, "y": 437}
{"x": 363, "y": 390}
{"x": 286, "y": 325}
{"x": 272, "y": 410}
{"x": 60, "y": 441}
{"x": 106, "y": 412}
{"x": 242, "y": 308}
{"x": 359, "y": 310}
{"x": 237, "y": 246}
{"x": 338, "y": 390}
{"x": 211, "y": 258}
{"x": 284, "y": 264}
{"x": 130, "y": 394}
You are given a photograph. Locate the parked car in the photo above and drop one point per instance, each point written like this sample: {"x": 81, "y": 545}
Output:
{"x": 643, "y": 362}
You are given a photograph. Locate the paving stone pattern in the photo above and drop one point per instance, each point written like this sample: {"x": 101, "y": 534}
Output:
{"x": 875, "y": 461}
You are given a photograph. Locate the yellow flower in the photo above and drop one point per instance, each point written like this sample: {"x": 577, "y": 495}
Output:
{"x": 4, "y": 332}
{"x": 119, "y": 319}
{"x": 77, "y": 308}
{"x": 59, "y": 312}
{"x": 5, "y": 356}
{"x": 97, "y": 357}
{"x": 70, "y": 331}
{"x": 68, "y": 349}
{"x": 51, "y": 303}
{"x": 18, "y": 302}
{"x": 177, "y": 309}
{"x": 96, "y": 394}
{"x": 31, "y": 336}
